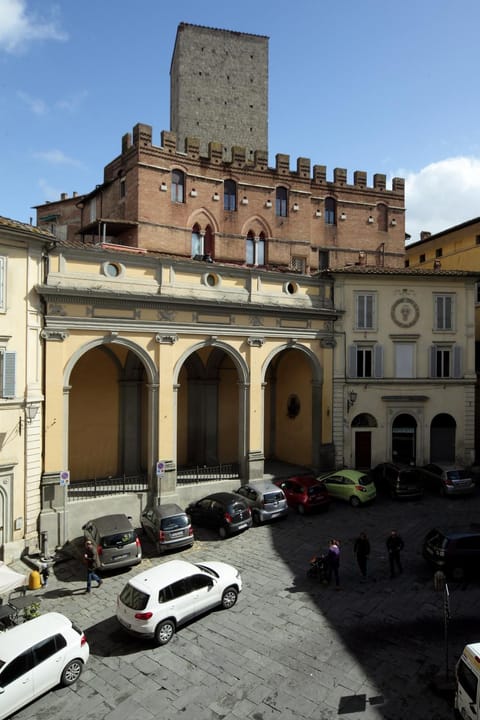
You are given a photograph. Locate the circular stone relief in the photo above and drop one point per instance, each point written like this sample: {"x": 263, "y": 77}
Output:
{"x": 405, "y": 312}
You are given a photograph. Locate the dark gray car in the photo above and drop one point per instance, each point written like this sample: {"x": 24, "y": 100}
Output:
{"x": 168, "y": 526}
{"x": 115, "y": 540}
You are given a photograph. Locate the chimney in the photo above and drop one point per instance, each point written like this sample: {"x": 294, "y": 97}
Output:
{"x": 425, "y": 234}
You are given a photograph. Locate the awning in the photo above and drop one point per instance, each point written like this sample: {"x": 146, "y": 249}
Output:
{"x": 10, "y": 579}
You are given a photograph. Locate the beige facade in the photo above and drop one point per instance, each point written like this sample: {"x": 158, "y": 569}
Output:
{"x": 150, "y": 359}
{"x": 404, "y": 366}
{"x": 21, "y": 392}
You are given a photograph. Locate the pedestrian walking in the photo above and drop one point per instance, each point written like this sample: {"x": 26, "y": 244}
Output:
{"x": 333, "y": 562}
{"x": 395, "y": 545}
{"x": 91, "y": 561}
{"x": 361, "y": 550}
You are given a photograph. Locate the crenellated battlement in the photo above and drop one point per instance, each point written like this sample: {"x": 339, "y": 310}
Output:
{"x": 141, "y": 139}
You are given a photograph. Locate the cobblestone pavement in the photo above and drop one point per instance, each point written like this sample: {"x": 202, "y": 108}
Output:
{"x": 291, "y": 647}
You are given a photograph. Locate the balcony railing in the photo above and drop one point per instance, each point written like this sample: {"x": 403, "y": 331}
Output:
{"x": 206, "y": 473}
{"x": 100, "y": 487}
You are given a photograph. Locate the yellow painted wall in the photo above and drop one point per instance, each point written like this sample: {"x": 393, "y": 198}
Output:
{"x": 93, "y": 417}
{"x": 228, "y": 413}
{"x": 182, "y": 415}
{"x": 294, "y": 435}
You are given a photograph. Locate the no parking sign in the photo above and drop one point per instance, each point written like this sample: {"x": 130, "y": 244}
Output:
{"x": 65, "y": 477}
{"x": 160, "y": 468}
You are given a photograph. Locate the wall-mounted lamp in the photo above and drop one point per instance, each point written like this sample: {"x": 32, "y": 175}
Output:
{"x": 31, "y": 411}
{"x": 295, "y": 207}
{"x": 343, "y": 216}
{"x": 215, "y": 196}
{"x": 245, "y": 201}
{"x": 393, "y": 223}
{"x": 370, "y": 219}
{"x": 193, "y": 193}
{"x": 268, "y": 204}
{"x": 163, "y": 187}
{"x": 318, "y": 213}
{"x": 351, "y": 399}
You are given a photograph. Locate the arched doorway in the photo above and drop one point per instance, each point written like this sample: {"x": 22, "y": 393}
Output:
{"x": 208, "y": 409}
{"x": 442, "y": 438}
{"x": 107, "y": 423}
{"x": 292, "y": 409}
{"x": 363, "y": 440}
{"x": 404, "y": 439}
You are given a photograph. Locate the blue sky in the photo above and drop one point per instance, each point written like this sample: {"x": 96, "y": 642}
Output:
{"x": 364, "y": 86}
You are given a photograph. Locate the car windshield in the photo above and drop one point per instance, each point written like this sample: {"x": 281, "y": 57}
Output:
{"x": 315, "y": 490}
{"x": 133, "y": 598}
{"x": 273, "y": 497}
{"x": 207, "y": 570}
{"x": 118, "y": 539}
{"x": 174, "y": 523}
{"x": 436, "y": 538}
{"x": 364, "y": 480}
{"x": 457, "y": 474}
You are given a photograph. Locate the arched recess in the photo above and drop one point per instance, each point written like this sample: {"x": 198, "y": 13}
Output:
{"x": 256, "y": 225}
{"x": 362, "y": 425}
{"x": 292, "y": 407}
{"x": 404, "y": 439}
{"x": 211, "y": 382}
{"x": 443, "y": 438}
{"x": 110, "y": 411}
{"x": 203, "y": 217}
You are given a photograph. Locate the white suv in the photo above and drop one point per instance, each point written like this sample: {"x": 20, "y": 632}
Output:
{"x": 155, "y": 602}
{"x": 36, "y": 656}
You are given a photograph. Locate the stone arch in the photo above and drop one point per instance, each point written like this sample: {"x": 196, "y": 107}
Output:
{"x": 364, "y": 420}
{"x": 404, "y": 437}
{"x": 149, "y": 365}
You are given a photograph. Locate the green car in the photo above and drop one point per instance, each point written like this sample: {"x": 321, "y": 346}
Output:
{"x": 353, "y": 486}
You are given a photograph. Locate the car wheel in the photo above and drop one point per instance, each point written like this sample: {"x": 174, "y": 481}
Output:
{"x": 71, "y": 672}
{"x": 222, "y": 531}
{"x": 354, "y": 501}
{"x": 229, "y": 598}
{"x": 301, "y": 509}
{"x": 164, "y": 632}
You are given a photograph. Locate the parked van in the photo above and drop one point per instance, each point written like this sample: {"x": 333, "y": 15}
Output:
{"x": 467, "y": 673}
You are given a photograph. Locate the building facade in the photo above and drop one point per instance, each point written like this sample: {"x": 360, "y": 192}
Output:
{"x": 404, "y": 366}
{"x": 22, "y": 248}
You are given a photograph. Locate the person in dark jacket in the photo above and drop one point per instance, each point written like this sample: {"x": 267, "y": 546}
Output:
{"x": 395, "y": 545}
{"x": 90, "y": 558}
{"x": 361, "y": 550}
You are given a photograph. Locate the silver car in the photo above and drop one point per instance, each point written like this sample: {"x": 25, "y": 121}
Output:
{"x": 266, "y": 501}
{"x": 115, "y": 540}
{"x": 168, "y": 526}
{"x": 447, "y": 479}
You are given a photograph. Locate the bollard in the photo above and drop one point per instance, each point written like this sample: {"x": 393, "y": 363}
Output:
{"x": 34, "y": 582}
{"x": 439, "y": 580}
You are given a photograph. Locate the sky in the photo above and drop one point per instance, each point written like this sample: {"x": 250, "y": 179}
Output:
{"x": 373, "y": 86}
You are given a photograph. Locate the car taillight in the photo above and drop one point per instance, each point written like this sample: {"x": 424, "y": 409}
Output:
{"x": 249, "y": 512}
{"x": 83, "y": 640}
{"x": 448, "y": 481}
{"x": 137, "y": 542}
{"x": 360, "y": 488}
{"x": 143, "y": 616}
{"x": 228, "y": 517}
{"x": 190, "y": 531}
{"x": 161, "y": 536}
{"x": 99, "y": 550}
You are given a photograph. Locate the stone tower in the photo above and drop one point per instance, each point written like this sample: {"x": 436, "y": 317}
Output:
{"x": 219, "y": 89}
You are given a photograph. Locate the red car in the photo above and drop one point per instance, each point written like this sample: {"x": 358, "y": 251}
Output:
{"x": 305, "y": 493}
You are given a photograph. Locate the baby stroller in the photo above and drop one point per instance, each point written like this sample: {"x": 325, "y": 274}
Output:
{"x": 318, "y": 569}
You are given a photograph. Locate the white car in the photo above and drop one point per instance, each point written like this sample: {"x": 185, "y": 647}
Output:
{"x": 155, "y": 602}
{"x": 36, "y": 656}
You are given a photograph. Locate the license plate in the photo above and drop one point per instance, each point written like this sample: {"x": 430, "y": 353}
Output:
{"x": 120, "y": 557}
{"x": 242, "y": 526}
{"x": 179, "y": 533}
{"x": 274, "y": 515}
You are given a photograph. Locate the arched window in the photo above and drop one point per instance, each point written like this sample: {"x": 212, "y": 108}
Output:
{"x": 281, "y": 202}
{"x": 250, "y": 249}
{"x": 197, "y": 241}
{"x": 209, "y": 243}
{"x": 382, "y": 217}
{"x": 330, "y": 213}
{"x": 255, "y": 249}
{"x": 178, "y": 186}
{"x": 229, "y": 195}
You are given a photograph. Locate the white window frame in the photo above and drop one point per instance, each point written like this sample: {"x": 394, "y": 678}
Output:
{"x": 440, "y": 312}
{"x": 361, "y": 314}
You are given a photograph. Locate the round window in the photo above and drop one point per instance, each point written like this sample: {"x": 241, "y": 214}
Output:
{"x": 111, "y": 269}
{"x": 291, "y": 288}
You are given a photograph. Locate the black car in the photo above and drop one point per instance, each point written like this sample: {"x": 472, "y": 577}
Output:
{"x": 454, "y": 551}
{"x": 399, "y": 481}
{"x": 223, "y": 511}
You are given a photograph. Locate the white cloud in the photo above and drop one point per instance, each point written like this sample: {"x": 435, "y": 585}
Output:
{"x": 36, "y": 105}
{"x": 49, "y": 192}
{"x": 71, "y": 103}
{"x": 441, "y": 195}
{"x": 18, "y": 26}
{"x": 57, "y": 157}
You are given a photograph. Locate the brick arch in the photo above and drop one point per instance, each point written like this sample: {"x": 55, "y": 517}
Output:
{"x": 203, "y": 217}
{"x": 257, "y": 225}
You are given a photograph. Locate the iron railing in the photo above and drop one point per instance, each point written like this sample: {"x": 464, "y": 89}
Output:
{"x": 99, "y": 487}
{"x": 203, "y": 473}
